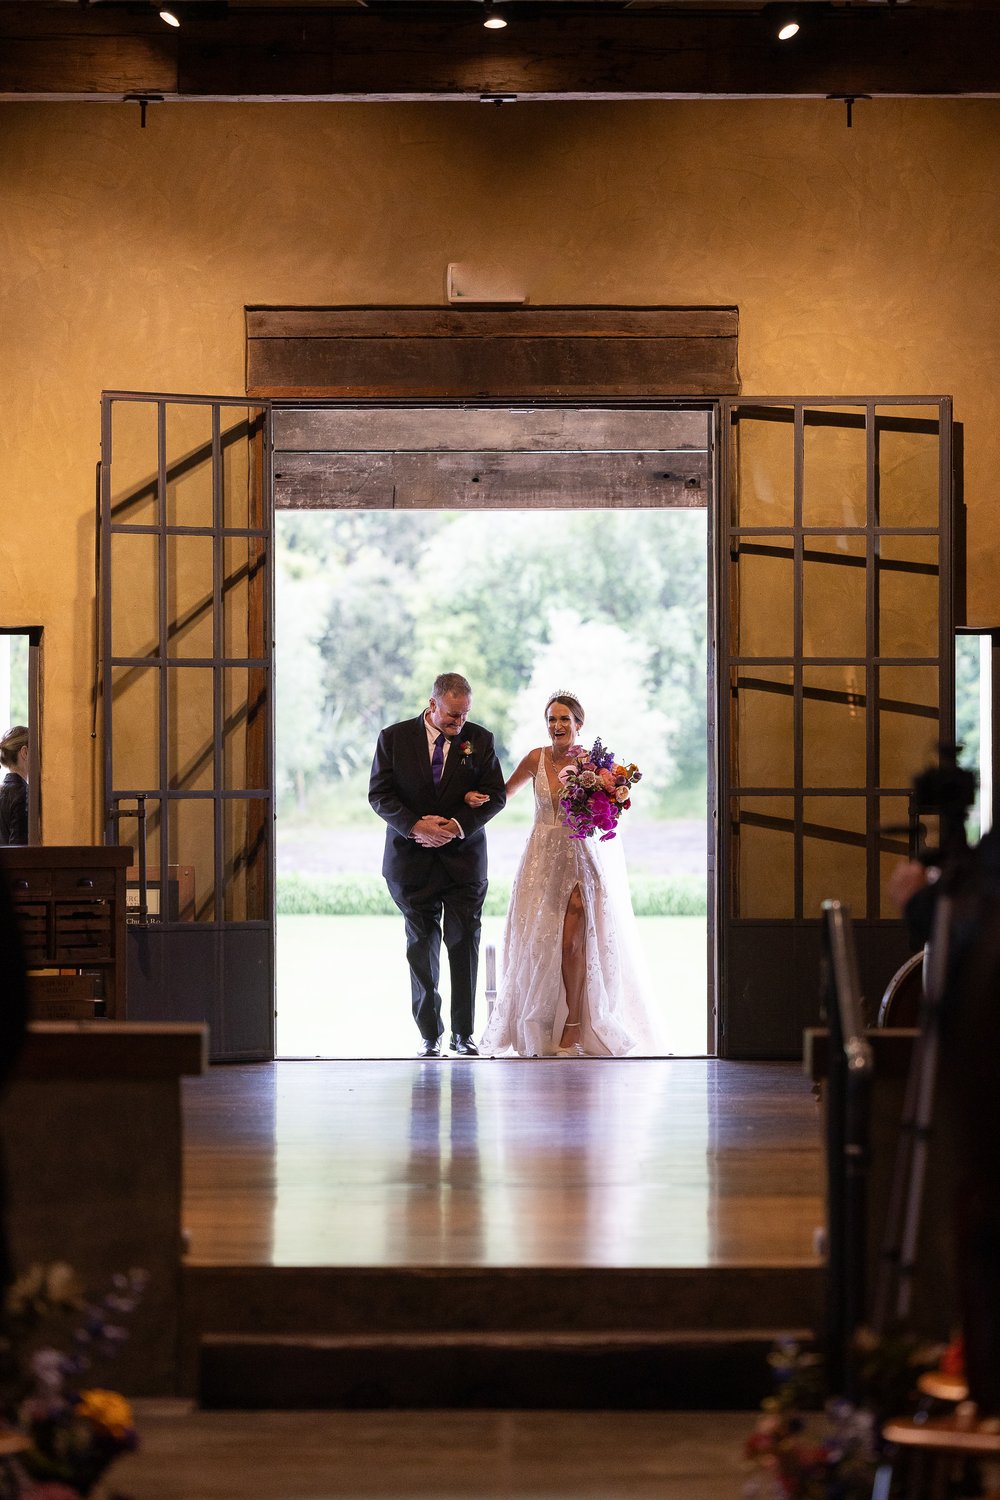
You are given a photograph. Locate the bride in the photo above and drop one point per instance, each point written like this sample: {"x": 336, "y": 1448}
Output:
{"x": 571, "y": 976}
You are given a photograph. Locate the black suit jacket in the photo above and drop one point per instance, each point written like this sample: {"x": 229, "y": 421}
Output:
{"x": 402, "y": 791}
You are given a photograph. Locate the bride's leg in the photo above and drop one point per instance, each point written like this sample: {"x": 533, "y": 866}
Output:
{"x": 574, "y": 966}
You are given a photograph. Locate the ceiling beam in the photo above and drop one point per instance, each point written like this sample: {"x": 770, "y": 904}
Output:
{"x": 60, "y": 53}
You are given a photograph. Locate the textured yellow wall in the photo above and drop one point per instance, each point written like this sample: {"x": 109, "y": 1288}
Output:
{"x": 862, "y": 260}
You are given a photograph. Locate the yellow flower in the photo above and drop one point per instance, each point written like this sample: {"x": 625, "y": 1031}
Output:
{"x": 106, "y": 1409}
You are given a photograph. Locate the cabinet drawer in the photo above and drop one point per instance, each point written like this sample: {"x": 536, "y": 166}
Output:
{"x": 83, "y": 932}
{"x": 33, "y": 925}
{"x": 83, "y": 883}
{"x": 27, "y": 883}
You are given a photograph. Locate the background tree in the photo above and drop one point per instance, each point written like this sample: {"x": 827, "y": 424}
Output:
{"x": 611, "y": 602}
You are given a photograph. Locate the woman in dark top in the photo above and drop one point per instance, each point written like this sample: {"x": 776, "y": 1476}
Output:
{"x": 14, "y": 789}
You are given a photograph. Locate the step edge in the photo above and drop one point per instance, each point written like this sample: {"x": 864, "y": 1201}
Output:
{"x": 691, "y": 1337}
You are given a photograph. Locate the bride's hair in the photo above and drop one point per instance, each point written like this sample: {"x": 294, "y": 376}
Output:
{"x": 572, "y": 703}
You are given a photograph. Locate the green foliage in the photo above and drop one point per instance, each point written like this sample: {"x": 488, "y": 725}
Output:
{"x": 368, "y": 896}
{"x": 967, "y": 650}
{"x": 669, "y": 895}
{"x": 373, "y": 604}
{"x": 333, "y": 896}
{"x": 967, "y": 711}
{"x": 17, "y": 709}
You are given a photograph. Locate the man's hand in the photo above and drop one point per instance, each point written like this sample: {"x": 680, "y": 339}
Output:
{"x": 907, "y": 878}
{"x": 433, "y": 832}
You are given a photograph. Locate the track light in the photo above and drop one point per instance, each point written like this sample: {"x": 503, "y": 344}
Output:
{"x": 169, "y": 17}
{"x": 495, "y": 19}
{"x": 784, "y": 21}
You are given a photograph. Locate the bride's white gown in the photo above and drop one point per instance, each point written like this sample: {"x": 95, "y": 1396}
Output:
{"x": 530, "y": 1009}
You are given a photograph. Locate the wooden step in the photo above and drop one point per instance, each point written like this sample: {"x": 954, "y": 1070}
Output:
{"x": 684, "y": 1370}
{"x": 437, "y": 1299}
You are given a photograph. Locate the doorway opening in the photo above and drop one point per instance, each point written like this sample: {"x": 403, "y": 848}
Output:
{"x": 593, "y": 579}
{"x": 975, "y": 727}
{"x": 20, "y": 703}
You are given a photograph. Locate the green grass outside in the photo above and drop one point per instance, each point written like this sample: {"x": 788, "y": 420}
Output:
{"x": 367, "y": 896}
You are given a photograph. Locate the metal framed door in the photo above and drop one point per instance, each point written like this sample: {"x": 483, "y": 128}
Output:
{"x": 186, "y": 636}
{"x": 835, "y": 686}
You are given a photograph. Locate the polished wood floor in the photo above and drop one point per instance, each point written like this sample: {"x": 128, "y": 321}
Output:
{"x": 579, "y": 1163}
{"x": 434, "y": 1455}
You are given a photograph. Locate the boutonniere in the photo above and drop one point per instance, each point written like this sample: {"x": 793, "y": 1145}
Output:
{"x": 466, "y": 749}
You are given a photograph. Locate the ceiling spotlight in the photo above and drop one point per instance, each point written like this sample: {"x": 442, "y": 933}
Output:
{"x": 783, "y": 20}
{"x": 495, "y": 19}
{"x": 169, "y": 17}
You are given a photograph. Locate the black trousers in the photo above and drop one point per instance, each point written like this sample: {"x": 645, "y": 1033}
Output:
{"x": 438, "y": 908}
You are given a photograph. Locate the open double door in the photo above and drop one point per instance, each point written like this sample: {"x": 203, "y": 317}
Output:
{"x": 830, "y": 660}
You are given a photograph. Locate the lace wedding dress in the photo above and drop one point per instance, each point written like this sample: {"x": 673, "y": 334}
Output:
{"x": 530, "y": 1009}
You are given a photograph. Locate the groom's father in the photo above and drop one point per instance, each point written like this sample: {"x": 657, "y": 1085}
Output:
{"x": 435, "y": 849}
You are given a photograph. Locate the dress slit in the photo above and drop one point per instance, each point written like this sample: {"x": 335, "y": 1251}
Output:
{"x": 530, "y": 1012}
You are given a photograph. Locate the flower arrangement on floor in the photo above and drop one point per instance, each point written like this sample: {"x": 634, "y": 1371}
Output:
{"x": 58, "y": 1436}
{"x": 800, "y": 1454}
{"x": 595, "y": 791}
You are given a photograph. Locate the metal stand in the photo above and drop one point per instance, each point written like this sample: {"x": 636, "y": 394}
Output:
{"x": 897, "y": 1263}
{"x": 848, "y": 1098}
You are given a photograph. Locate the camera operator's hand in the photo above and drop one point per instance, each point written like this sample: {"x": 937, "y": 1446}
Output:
{"x": 909, "y": 877}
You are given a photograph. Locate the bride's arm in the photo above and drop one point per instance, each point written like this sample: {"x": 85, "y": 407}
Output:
{"x": 524, "y": 772}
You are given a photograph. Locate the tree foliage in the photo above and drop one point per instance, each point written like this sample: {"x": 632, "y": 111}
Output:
{"x": 373, "y": 604}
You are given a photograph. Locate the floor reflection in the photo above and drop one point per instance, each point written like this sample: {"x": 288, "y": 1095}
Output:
{"x": 563, "y": 1162}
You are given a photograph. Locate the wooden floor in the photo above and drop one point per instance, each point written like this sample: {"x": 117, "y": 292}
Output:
{"x": 434, "y": 1455}
{"x": 577, "y": 1163}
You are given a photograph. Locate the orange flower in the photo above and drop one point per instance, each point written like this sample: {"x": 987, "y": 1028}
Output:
{"x": 106, "y": 1409}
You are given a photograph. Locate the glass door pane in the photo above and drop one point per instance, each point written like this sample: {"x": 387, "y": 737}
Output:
{"x": 186, "y": 628}
{"x": 836, "y": 575}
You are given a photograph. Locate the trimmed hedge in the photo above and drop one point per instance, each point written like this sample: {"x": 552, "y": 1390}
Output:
{"x": 367, "y": 896}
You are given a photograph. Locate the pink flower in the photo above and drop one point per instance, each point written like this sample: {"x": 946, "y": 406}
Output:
{"x": 608, "y": 781}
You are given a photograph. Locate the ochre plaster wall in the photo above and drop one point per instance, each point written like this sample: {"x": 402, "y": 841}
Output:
{"x": 862, "y": 260}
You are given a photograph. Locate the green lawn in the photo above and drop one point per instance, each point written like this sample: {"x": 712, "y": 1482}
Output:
{"x": 343, "y": 986}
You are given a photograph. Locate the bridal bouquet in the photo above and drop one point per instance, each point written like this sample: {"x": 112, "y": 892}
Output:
{"x": 595, "y": 791}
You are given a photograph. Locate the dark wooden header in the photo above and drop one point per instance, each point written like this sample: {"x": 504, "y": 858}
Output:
{"x": 413, "y": 353}
{"x": 59, "y": 856}
{"x": 109, "y": 1049}
{"x": 53, "y": 51}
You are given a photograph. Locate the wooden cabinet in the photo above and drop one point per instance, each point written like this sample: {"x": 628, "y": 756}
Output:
{"x": 70, "y": 901}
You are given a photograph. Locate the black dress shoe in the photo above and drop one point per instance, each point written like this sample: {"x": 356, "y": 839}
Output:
{"x": 429, "y": 1048}
{"x": 463, "y": 1046}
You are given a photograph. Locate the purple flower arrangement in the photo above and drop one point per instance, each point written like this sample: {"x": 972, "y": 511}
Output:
{"x": 595, "y": 791}
{"x": 58, "y": 1433}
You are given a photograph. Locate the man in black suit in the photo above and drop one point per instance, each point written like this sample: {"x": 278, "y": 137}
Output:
{"x": 435, "y": 849}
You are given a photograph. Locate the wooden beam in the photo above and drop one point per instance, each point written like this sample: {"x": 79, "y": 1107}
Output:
{"x": 428, "y": 353}
{"x": 62, "y": 53}
{"x": 490, "y": 481}
{"x": 470, "y": 429}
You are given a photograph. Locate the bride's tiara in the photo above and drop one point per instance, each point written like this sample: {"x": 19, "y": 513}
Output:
{"x": 561, "y": 694}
